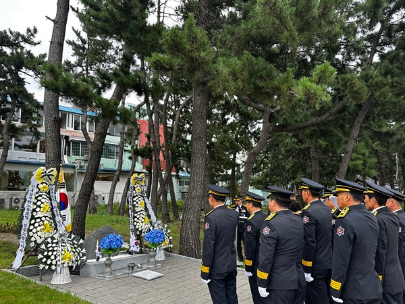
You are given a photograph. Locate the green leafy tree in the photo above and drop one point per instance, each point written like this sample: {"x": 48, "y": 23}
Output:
{"x": 16, "y": 63}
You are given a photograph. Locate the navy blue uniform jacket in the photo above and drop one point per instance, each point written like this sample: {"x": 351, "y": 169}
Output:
{"x": 219, "y": 254}
{"x": 354, "y": 249}
{"x": 281, "y": 239}
{"x": 252, "y": 240}
{"x": 317, "y": 252}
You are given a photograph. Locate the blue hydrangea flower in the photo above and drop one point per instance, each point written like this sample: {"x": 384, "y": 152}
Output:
{"x": 155, "y": 237}
{"x": 111, "y": 243}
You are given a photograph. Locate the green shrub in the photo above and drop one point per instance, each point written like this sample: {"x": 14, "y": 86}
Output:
{"x": 180, "y": 204}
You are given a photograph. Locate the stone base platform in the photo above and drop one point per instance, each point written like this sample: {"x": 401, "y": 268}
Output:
{"x": 95, "y": 268}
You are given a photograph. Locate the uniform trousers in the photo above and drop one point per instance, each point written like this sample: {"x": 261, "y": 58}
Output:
{"x": 257, "y": 299}
{"x": 392, "y": 298}
{"x": 317, "y": 290}
{"x": 351, "y": 301}
{"x": 239, "y": 240}
{"x": 223, "y": 288}
{"x": 293, "y": 296}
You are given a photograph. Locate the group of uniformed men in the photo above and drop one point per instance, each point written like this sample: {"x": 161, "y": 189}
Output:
{"x": 348, "y": 248}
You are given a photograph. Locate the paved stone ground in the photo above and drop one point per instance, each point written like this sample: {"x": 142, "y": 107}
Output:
{"x": 181, "y": 284}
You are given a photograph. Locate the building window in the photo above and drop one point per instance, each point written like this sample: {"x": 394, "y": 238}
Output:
{"x": 110, "y": 151}
{"x": 63, "y": 120}
{"x": 184, "y": 182}
{"x": 78, "y": 148}
{"x": 76, "y": 122}
{"x": 91, "y": 126}
{"x": 27, "y": 143}
{"x": 14, "y": 180}
{"x": 114, "y": 130}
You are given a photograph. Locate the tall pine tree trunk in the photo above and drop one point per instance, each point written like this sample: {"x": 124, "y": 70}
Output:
{"x": 6, "y": 137}
{"x": 314, "y": 163}
{"x": 51, "y": 99}
{"x": 353, "y": 138}
{"x": 190, "y": 226}
{"x": 154, "y": 197}
{"x": 168, "y": 158}
{"x": 252, "y": 154}
{"x": 391, "y": 167}
{"x": 381, "y": 175}
{"x": 117, "y": 173}
{"x": 232, "y": 182}
{"x": 79, "y": 218}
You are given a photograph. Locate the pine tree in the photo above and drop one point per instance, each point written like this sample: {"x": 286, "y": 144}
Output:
{"x": 16, "y": 63}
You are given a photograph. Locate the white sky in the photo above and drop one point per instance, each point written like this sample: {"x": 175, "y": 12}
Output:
{"x": 20, "y": 14}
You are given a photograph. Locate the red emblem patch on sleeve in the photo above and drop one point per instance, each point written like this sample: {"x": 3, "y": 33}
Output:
{"x": 207, "y": 225}
{"x": 248, "y": 228}
{"x": 340, "y": 231}
{"x": 266, "y": 230}
{"x": 305, "y": 219}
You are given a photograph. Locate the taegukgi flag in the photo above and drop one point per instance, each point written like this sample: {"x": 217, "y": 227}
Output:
{"x": 64, "y": 202}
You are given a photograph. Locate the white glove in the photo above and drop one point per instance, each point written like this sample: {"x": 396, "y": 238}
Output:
{"x": 263, "y": 292}
{"x": 205, "y": 281}
{"x": 308, "y": 277}
{"x": 337, "y": 300}
{"x": 248, "y": 273}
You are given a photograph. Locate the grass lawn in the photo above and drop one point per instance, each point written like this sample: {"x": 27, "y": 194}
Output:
{"x": 16, "y": 289}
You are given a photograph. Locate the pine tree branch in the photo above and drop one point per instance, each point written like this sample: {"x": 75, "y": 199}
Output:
{"x": 315, "y": 121}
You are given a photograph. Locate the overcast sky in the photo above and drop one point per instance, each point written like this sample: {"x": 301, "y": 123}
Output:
{"x": 20, "y": 14}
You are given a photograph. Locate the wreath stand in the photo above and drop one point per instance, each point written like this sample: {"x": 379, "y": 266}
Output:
{"x": 32, "y": 252}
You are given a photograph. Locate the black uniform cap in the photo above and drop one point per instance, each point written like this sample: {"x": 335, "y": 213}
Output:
{"x": 396, "y": 195}
{"x": 280, "y": 192}
{"x": 253, "y": 197}
{"x": 377, "y": 189}
{"x": 327, "y": 192}
{"x": 237, "y": 198}
{"x": 310, "y": 184}
{"x": 347, "y": 186}
{"x": 217, "y": 190}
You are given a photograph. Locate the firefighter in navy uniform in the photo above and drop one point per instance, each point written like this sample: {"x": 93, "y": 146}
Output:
{"x": 243, "y": 215}
{"x": 218, "y": 266}
{"x": 280, "y": 276}
{"x": 253, "y": 203}
{"x": 395, "y": 205}
{"x": 387, "y": 263}
{"x": 317, "y": 252}
{"x": 354, "y": 280}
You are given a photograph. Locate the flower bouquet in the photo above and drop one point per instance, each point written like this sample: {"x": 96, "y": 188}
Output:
{"x": 65, "y": 251}
{"x": 155, "y": 238}
{"x": 111, "y": 243}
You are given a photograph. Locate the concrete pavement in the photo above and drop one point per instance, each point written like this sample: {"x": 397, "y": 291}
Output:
{"x": 181, "y": 284}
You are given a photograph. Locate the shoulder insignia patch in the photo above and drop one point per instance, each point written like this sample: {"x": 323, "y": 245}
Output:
{"x": 333, "y": 210}
{"x": 270, "y": 216}
{"x": 207, "y": 226}
{"x": 232, "y": 206}
{"x": 305, "y": 219}
{"x": 248, "y": 228}
{"x": 344, "y": 212}
{"x": 209, "y": 212}
{"x": 250, "y": 217}
{"x": 375, "y": 212}
{"x": 307, "y": 206}
{"x": 266, "y": 230}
